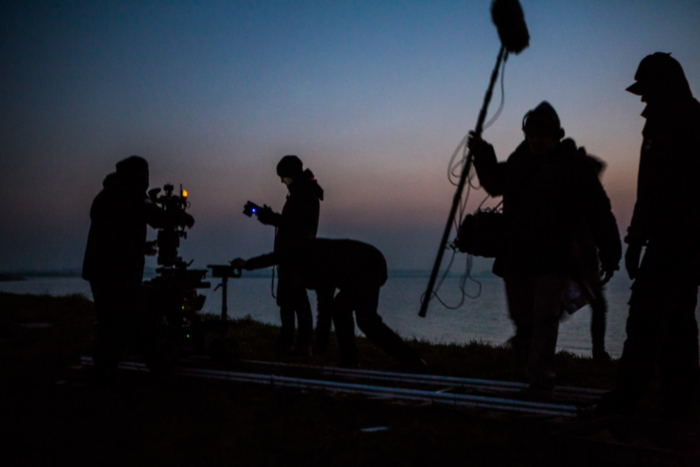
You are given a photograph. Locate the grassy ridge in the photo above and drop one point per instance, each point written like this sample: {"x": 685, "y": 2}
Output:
{"x": 55, "y": 414}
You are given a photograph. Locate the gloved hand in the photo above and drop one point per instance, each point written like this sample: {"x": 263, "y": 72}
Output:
{"x": 266, "y": 215}
{"x": 606, "y": 274}
{"x": 475, "y": 144}
{"x": 238, "y": 263}
{"x": 188, "y": 220}
{"x": 634, "y": 252}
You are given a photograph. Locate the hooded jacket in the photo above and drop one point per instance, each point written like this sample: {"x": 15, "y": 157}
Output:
{"x": 298, "y": 221}
{"x": 116, "y": 242}
{"x": 548, "y": 200}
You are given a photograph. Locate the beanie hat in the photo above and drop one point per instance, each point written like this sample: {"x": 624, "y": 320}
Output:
{"x": 290, "y": 166}
{"x": 132, "y": 165}
{"x": 543, "y": 120}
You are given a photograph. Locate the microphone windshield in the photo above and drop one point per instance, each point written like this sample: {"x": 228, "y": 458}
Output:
{"x": 509, "y": 19}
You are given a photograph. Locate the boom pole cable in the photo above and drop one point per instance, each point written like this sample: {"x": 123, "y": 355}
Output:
{"x": 458, "y": 218}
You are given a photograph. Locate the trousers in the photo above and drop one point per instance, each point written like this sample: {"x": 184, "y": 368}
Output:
{"x": 364, "y": 302}
{"x": 534, "y": 304}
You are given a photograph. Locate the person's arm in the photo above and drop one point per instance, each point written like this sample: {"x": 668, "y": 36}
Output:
{"x": 647, "y": 202}
{"x": 601, "y": 220}
{"x": 648, "y": 205}
{"x": 300, "y": 219}
{"x": 258, "y": 262}
{"x": 268, "y": 217}
{"x": 491, "y": 173}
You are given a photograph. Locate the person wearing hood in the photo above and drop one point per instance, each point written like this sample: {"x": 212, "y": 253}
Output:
{"x": 661, "y": 326}
{"x": 551, "y": 194}
{"x": 114, "y": 255}
{"x": 297, "y": 222}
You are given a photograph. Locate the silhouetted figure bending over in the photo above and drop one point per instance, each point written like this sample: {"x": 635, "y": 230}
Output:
{"x": 661, "y": 325}
{"x": 551, "y": 193}
{"x": 114, "y": 256}
{"x": 358, "y": 271}
{"x": 298, "y": 222}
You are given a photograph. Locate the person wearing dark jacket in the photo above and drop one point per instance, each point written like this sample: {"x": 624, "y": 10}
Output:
{"x": 661, "y": 326}
{"x": 551, "y": 193}
{"x": 297, "y": 222}
{"x": 358, "y": 271}
{"x": 114, "y": 256}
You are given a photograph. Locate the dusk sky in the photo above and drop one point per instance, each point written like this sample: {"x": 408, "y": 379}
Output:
{"x": 373, "y": 96}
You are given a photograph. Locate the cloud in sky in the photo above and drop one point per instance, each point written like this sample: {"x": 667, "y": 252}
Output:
{"x": 373, "y": 96}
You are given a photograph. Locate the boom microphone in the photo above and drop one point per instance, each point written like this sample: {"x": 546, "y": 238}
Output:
{"x": 510, "y": 23}
{"x": 508, "y": 17}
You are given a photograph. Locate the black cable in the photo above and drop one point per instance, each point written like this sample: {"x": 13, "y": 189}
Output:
{"x": 272, "y": 285}
{"x": 503, "y": 96}
{"x": 459, "y": 216}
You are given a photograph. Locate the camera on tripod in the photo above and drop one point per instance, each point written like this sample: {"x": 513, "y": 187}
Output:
{"x": 171, "y": 299}
{"x": 169, "y": 236}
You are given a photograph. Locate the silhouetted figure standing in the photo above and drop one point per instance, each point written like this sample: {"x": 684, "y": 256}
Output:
{"x": 298, "y": 222}
{"x": 114, "y": 256}
{"x": 551, "y": 192}
{"x": 358, "y": 271}
{"x": 661, "y": 325}
{"x": 585, "y": 272}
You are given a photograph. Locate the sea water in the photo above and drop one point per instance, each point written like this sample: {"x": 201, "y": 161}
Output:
{"x": 482, "y": 319}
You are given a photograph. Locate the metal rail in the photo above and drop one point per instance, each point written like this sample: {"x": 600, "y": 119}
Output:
{"x": 437, "y": 397}
{"x": 560, "y": 392}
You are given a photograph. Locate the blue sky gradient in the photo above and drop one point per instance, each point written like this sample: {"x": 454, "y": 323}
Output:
{"x": 373, "y": 96}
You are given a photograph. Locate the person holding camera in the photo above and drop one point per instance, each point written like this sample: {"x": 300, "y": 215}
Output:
{"x": 661, "y": 326}
{"x": 115, "y": 255}
{"x": 358, "y": 271}
{"x": 297, "y": 222}
{"x": 551, "y": 194}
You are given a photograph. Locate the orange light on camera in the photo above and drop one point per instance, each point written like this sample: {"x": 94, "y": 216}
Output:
{"x": 184, "y": 193}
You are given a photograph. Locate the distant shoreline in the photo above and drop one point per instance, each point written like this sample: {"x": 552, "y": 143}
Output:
{"x": 11, "y": 278}
{"x": 263, "y": 273}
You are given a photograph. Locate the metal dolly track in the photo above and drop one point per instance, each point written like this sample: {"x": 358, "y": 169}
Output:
{"x": 437, "y": 397}
{"x": 560, "y": 392}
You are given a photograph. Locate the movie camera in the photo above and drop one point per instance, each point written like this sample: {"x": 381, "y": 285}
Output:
{"x": 175, "y": 328}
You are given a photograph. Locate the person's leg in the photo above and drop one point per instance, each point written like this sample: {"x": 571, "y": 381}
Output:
{"x": 371, "y": 324}
{"x": 599, "y": 309}
{"x": 548, "y": 289}
{"x": 115, "y": 309}
{"x": 324, "y": 318}
{"x": 636, "y": 368}
{"x": 305, "y": 322}
{"x": 520, "y": 296}
{"x": 286, "y": 340}
{"x": 287, "y": 313}
{"x": 678, "y": 353}
{"x": 343, "y": 307}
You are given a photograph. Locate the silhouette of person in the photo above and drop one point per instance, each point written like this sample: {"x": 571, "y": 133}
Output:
{"x": 661, "y": 326}
{"x": 585, "y": 271}
{"x": 114, "y": 256}
{"x": 551, "y": 191}
{"x": 298, "y": 222}
{"x": 358, "y": 271}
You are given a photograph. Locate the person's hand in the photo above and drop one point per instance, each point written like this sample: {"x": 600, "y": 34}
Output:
{"x": 475, "y": 143}
{"x": 606, "y": 275}
{"x": 238, "y": 263}
{"x": 188, "y": 220}
{"x": 634, "y": 252}
{"x": 265, "y": 215}
{"x": 150, "y": 249}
